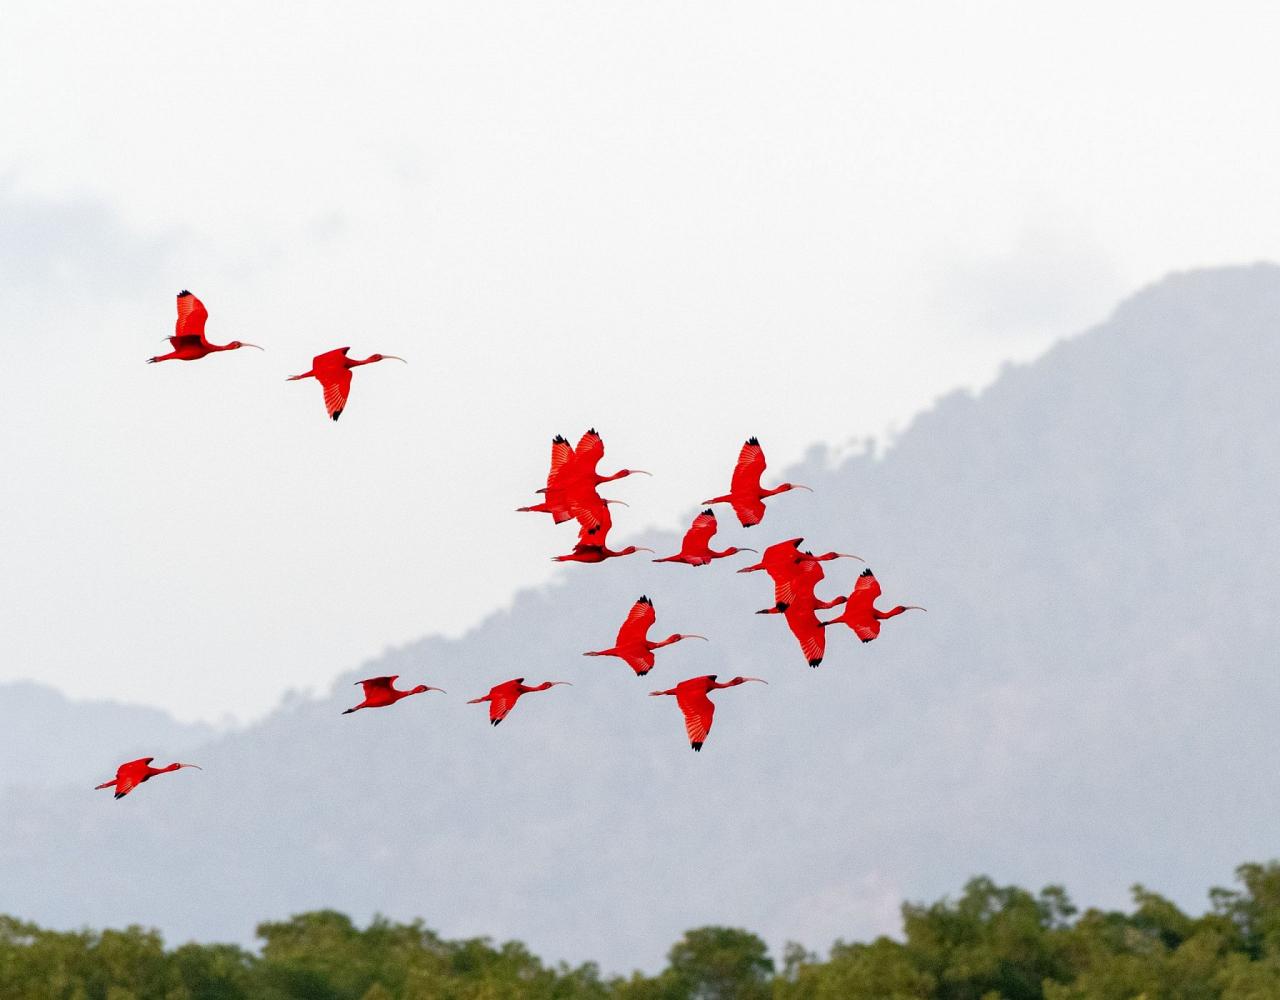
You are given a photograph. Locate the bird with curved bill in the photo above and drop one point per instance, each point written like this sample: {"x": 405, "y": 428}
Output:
{"x": 188, "y": 340}
{"x": 695, "y": 547}
{"x": 746, "y": 495}
{"x": 132, "y": 774}
{"x": 333, "y": 371}
{"x": 381, "y": 692}
{"x": 502, "y": 698}
{"x": 860, "y": 611}
{"x": 633, "y": 645}
{"x": 699, "y": 710}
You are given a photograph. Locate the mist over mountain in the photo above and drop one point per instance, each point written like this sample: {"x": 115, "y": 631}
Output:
{"x": 1090, "y": 697}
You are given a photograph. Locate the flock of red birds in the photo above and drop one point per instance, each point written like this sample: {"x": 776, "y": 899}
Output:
{"x": 571, "y": 494}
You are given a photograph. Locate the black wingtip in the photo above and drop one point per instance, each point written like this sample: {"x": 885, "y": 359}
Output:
{"x": 815, "y": 663}
{"x": 121, "y": 795}
{"x": 866, "y": 640}
{"x": 709, "y": 513}
{"x": 754, "y": 440}
{"x": 593, "y": 431}
{"x": 782, "y": 606}
{"x": 348, "y": 711}
{"x": 183, "y": 294}
{"x": 697, "y": 747}
{"x": 559, "y": 439}
{"x": 865, "y": 572}
{"x": 644, "y": 599}
{"x": 337, "y": 414}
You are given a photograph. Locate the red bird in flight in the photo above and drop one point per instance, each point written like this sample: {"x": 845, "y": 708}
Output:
{"x": 745, "y": 493}
{"x": 695, "y": 548}
{"x": 188, "y": 336}
{"x": 593, "y": 543}
{"x": 129, "y": 776}
{"x": 333, "y": 371}
{"x": 380, "y": 692}
{"x": 860, "y": 612}
{"x": 784, "y": 562}
{"x": 502, "y": 698}
{"x": 633, "y": 644}
{"x": 698, "y": 709}
{"x": 572, "y": 480}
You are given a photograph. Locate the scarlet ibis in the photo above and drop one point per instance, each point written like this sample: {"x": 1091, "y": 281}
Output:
{"x": 860, "y": 612}
{"x": 132, "y": 774}
{"x": 188, "y": 336}
{"x": 593, "y": 543}
{"x": 698, "y": 709}
{"x": 633, "y": 645}
{"x": 695, "y": 548}
{"x": 783, "y": 562}
{"x": 502, "y": 698}
{"x": 333, "y": 371}
{"x": 745, "y": 492}
{"x": 572, "y": 481}
{"x": 380, "y": 692}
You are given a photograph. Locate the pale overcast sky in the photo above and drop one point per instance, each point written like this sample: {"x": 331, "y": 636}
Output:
{"x": 680, "y": 223}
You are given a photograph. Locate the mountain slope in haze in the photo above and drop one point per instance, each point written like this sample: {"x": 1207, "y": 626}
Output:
{"x": 1090, "y": 697}
{"x": 47, "y": 739}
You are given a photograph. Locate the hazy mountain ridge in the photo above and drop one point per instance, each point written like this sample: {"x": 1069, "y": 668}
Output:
{"x": 1093, "y": 535}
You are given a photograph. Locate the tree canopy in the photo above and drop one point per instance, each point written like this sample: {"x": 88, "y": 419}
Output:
{"x": 991, "y": 942}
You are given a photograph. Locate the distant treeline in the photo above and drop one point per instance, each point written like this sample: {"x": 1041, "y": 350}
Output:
{"x": 992, "y": 943}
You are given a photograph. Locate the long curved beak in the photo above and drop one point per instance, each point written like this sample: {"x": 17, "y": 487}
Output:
{"x": 744, "y": 549}
{"x": 641, "y": 548}
{"x": 196, "y": 766}
{"x": 849, "y": 555}
{"x": 622, "y": 502}
{"x": 640, "y": 472}
{"x": 394, "y": 357}
{"x": 441, "y": 690}
{"x": 566, "y": 683}
{"x": 913, "y": 607}
{"x": 760, "y": 679}
{"x": 245, "y": 343}
{"x": 690, "y": 635}
{"x": 797, "y": 486}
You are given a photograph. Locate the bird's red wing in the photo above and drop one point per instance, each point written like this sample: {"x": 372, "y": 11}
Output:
{"x": 641, "y": 661}
{"x": 639, "y": 620}
{"x": 591, "y": 512}
{"x": 808, "y": 631}
{"x": 337, "y": 385}
{"x": 500, "y": 703}
{"x": 129, "y": 776}
{"x": 561, "y": 460}
{"x": 191, "y": 318}
{"x": 747, "y": 473}
{"x": 698, "y": 712}
{"x": 750, "y": 509}
{"x": 188, "y": 340}
{"x": 587, "y": 455}
{"x": 698, "y": 537}
{"x": 595, "y": 529}
{"x": 867, "y": 588}
{"x": 866, "y": 628}
{"x": 378, "y": 684}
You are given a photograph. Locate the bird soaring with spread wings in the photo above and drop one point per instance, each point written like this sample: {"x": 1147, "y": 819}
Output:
{"x": 188, "y": 339}
{"x": 593, "y": 543}
{"x": 745, "y": 492}
{"x": 502, "y": 698}
{"x": 333, "y": 371}
{"x": 380, "y": 692}
{"x": 698, "y": 709}
{"x": 132, "y": 774}
{"x": 633, "y": 645}
{"x": 695, "y": 548}
{"x": 860, "y": 612}
{"x": 572, "y": 481}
